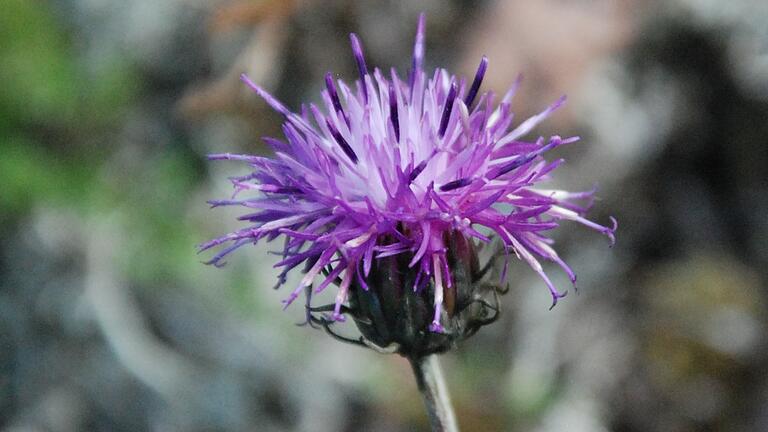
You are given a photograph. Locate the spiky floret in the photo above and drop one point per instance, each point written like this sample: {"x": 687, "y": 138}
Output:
{"x": 390, "y": 167}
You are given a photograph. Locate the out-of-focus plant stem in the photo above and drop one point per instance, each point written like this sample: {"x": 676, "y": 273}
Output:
{"x": 434, "y": 391}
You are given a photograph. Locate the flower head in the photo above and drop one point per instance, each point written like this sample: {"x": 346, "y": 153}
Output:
{"x": 401, "y": 172}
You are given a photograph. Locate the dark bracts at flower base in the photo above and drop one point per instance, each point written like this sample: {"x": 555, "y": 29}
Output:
{"x": 388, "y": 192}
{"x": 393, "y": 317}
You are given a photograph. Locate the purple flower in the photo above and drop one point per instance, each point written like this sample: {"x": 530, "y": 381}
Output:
{"x": 396, "y": 167}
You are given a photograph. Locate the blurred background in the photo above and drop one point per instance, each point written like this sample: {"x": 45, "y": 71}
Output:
{"x": 109, "y": 321}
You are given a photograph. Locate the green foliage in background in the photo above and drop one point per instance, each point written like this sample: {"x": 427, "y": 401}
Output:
{"x": 51, "y": 107}
{"x": 61, "y": 113}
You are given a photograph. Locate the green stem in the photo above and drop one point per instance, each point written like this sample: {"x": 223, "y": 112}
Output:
{"x": 429, "y": 378}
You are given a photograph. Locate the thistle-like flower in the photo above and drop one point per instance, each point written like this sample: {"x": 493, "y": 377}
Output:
{"x": 387, "y": 189}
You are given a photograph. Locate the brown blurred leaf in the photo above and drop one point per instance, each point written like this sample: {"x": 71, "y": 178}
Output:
{"x": 261, "y": 57}
{"x": 249, "y": 12}
{"x": 553, "y": 42}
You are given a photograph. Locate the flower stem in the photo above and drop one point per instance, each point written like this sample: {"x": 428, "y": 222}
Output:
{"x": 429, "y": 378}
